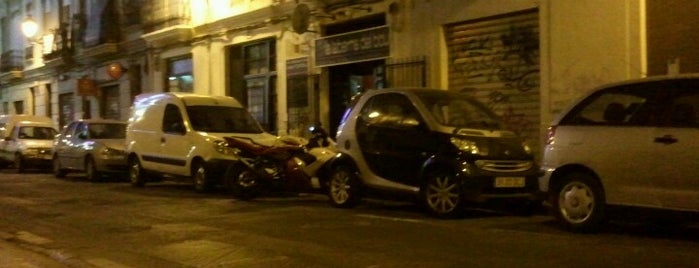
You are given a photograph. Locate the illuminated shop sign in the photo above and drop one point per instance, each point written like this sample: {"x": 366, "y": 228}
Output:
{"x": 363, "y": 45}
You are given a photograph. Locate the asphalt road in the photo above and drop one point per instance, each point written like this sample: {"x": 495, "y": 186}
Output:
{"x": 111, "y": 224}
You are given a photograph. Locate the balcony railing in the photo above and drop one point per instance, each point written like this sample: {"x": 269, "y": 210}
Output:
{"x": 164, "y": 22}
{"x": 11, "y": 60}
{"x": 158, "y": 15}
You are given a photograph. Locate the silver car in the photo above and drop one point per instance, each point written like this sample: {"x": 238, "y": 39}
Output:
{"x": 626, "y": 147}
{"x": 93, "y": 146}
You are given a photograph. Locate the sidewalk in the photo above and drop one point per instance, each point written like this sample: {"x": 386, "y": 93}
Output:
{"x": 12, "y": 255}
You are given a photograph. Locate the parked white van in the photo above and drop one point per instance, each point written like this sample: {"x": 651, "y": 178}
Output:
{"x": 181, "y": 135}
{"x": 26, "y": 141}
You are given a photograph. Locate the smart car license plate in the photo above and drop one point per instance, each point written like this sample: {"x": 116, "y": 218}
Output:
{"x": 509, "y": 182}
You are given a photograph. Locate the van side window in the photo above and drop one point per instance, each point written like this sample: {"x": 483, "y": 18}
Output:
{"x": 172, "y": 120}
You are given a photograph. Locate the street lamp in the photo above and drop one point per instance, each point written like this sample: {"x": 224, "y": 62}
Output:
{"x": 29, "y": 27}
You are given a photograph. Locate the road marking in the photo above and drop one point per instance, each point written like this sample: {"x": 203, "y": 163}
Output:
{"x": 388, "y": 218}
{"x": 32, "y": 238}
{"x": 104, "y": 263}
{"x": 16, "y": 201}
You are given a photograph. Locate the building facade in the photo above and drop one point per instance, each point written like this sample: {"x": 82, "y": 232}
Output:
{"x": 297, "y": 63}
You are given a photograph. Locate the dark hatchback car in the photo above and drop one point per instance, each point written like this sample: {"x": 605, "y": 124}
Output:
{"x": 443, "y": 147}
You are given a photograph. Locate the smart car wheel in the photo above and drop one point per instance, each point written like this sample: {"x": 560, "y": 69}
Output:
{"x": 200, "y": 176}
{"x": 91, "y": 171}
{"x": 242, "y": 182}
{"x": 136, "y": 174}
{"x": 442, "y": 194}
{"x": 344, "y": 188}
{"x": 58, "y": 171}
{"x": 579, "y": 202}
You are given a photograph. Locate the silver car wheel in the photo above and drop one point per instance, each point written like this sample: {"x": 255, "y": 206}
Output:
{"x": 576, "y": 202}
{"x": 442, "y": 195}
{"x": 339, "y": 188}
{"x": 58, "y": 171}
{"x": 91, "y": 171}
{"x": 344, "y": 188}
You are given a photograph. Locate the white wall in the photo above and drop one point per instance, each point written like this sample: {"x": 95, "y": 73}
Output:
{"x": 592, "y": 42}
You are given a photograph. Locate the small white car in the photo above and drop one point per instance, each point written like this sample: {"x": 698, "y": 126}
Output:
{"x": 629, "y": 145}
{"x": 181, "y": 135}
{"x": 26, "y": 141}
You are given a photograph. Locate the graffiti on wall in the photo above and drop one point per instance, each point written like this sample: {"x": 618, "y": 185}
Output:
{"x": 500, "y": 66}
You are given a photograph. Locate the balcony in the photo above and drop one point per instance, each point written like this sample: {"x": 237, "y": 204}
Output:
{"x": 61, "y": 48}
{"x": 164, "y": 24}
{"x": 11, "y": 60}
{"x": 58, "y": 58}
{"x": 99, "y": 51}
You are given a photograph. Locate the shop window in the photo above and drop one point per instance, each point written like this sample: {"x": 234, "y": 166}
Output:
{"x": 179, "y": 75}
{"x": 110, "y": 103}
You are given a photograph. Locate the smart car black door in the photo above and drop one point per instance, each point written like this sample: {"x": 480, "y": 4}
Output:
{"x": 393, "y": 138}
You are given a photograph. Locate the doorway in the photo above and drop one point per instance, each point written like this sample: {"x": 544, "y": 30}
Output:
{"x": 348, "y": 80}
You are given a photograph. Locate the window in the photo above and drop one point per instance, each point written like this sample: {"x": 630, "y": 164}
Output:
{"x": 19, "y": 107}
{"x": 260, "y": 58}
{"x": 222, "y": 119}
{"x": 626, "y": 105}
{"x": 682, "y": 108}
{"x": 259, "y": 72}
{"x": 107, "y": 131}
{"x": 179, "y": 75}
{"x": 389, "y": 110}
{"x": 65, "y": 104}
{"x": 110, "y": 103}
{"x": 36, "y": 133}
{"x": 172, "y": 120}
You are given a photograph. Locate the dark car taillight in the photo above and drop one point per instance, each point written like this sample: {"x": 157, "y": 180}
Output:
{"x": 550, "y": 135}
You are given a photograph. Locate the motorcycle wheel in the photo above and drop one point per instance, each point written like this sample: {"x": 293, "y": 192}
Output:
{"x": 242, "y": 182}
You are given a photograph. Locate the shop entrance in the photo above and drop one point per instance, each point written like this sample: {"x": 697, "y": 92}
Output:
{"x": 348, "y": 80}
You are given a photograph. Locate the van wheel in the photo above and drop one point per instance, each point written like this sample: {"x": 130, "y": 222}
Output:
{"x": 137, "y": 175}
{"x": 91, "y": 171}
{"x": 58, "y": 172}
{"x": 442, "y": 195}
{"x": 19, "y": 163}
{"x": 200, "y": 176}
{"x": 344, "y": 188}
{"x": 578, "y": 203}
{"x": 242, "y": 182}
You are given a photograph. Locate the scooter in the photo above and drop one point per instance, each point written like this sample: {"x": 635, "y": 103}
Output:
{"x": 293, "y": 164}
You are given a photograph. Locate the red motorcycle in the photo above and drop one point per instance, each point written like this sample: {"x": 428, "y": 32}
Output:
{"x": 290, "y": 165}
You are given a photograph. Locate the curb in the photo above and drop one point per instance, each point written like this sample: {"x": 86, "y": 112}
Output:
{"x": 58, "y": 255}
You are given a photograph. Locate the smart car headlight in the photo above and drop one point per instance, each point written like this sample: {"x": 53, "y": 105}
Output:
{"x": 469, "y": 146}
{"x": 526, "y": 147}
